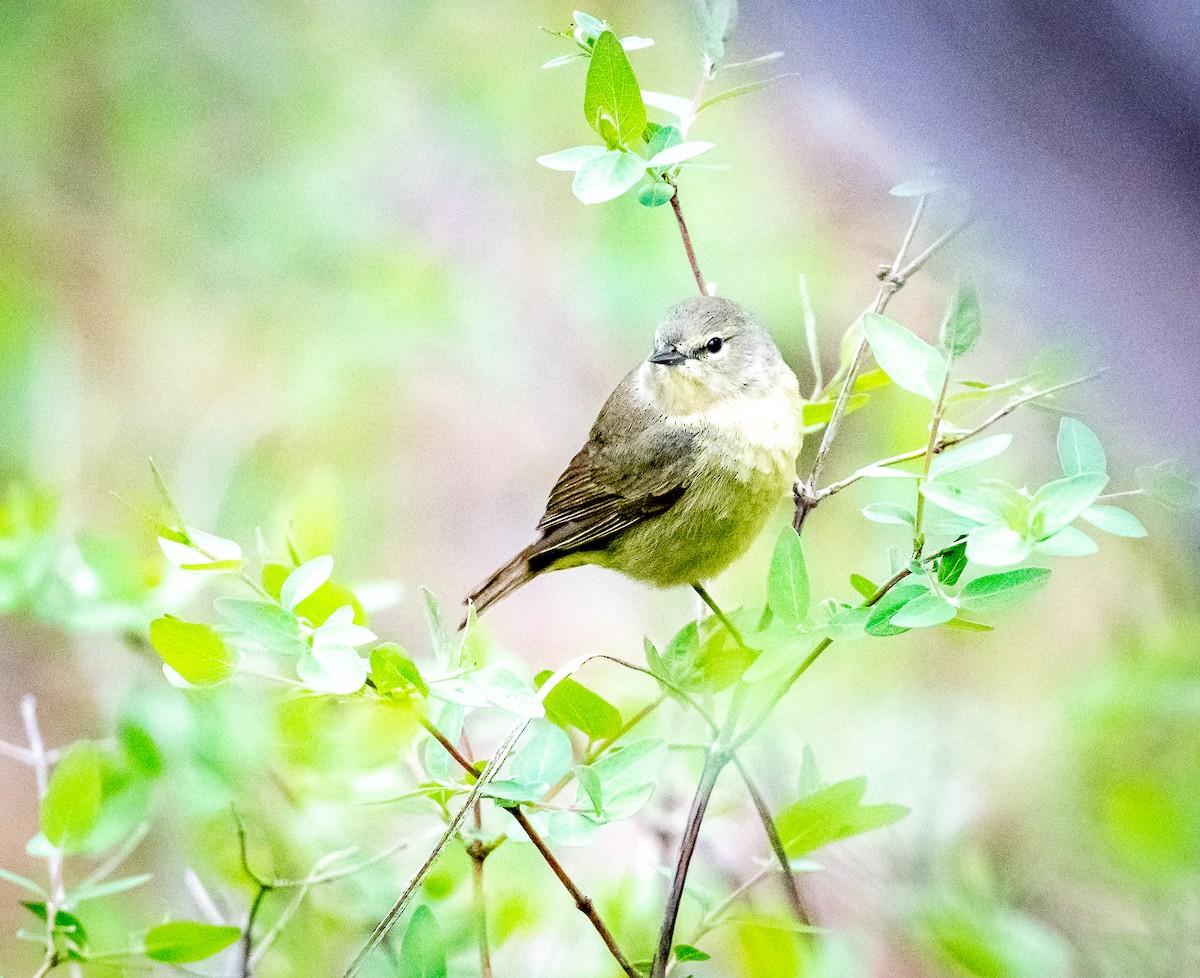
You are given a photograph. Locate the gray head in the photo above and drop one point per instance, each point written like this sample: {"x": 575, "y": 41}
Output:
{"x": 714, "y": 343}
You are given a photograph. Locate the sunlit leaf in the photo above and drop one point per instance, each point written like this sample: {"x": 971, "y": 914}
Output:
{"x": 611, "y": 94}
{"x": 573, "y": 704}
{"x": 1067, "y": 542}
{"x": 184, "y": 941}
{"x": 71, "y": 807}
{"x": 961, "y": 328}
{"x": 997, "y": 546}
{"x": 392, "y": 670}
{"x": 332, "y": 668}
{"x": 911, "y": 362}
{"x": 1114, "y": 520}
{"x": 570, "y": 160}
{"x": 1058, "y": 504}
{"x": 995, "y": 591}
{"x": 673, "y": 155}
{"x": 830, "y": 814}
{"x": 924, "y": 611}
{"x": 892, "y": 513}
{"x": 967, "y": 454}
{"x": 193, "y": 649}
{"x": 607, "y": 176}
{"x": 1168, "y": 488}
{"x": 879, "y": 623}
{"x": 787, "y": 580}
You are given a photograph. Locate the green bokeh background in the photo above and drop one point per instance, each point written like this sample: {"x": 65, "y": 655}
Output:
{"x": 301, "y": 255}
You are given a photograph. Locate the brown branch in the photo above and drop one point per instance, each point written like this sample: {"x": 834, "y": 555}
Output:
{"x": 582, "y": 901}
{"x": 687, "y": 242}
{"x": 896, "y": 277}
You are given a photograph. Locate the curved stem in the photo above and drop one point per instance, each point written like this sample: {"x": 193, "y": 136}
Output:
{"x": 713, "y": 765}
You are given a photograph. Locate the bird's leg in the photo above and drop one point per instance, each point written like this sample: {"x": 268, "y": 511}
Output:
{"x": 721, "y": 616}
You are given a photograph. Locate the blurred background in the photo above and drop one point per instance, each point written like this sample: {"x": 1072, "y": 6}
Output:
{"x": 300, "y": 254}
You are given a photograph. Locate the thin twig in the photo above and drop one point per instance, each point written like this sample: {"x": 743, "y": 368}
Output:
{"x": 713, "y": 765}
{"x": 790, "y": 885}
{"x": 721, "y": 616}
{"x": 896, "y": 278}
{"x": 54, "y": 868}
{"x": 687, "y": 242}
{"x": 951, "y": 440}
{"x": 582, "y": 901}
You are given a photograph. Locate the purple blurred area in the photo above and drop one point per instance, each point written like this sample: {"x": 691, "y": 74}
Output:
{"x": 1076, "y": 127}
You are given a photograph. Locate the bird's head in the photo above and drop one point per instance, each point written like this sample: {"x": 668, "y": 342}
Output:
{"x": 706, "y": 348}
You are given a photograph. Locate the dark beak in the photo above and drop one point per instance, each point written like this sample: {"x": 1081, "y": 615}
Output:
{"x": 668, "y": 357}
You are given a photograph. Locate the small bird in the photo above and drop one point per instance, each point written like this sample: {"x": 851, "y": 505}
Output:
{"x": 689, "y": 457}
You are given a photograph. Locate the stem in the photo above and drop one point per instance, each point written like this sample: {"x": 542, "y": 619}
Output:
{"x": 724, "y": 618}
{"x": 896, "y": 278}
{"x": 934, "y": 426}
{"x": 687, "y": 241}
{"x": 951, "y": 440}
{"x": 713, "y": 764}
{"x": 54, "y": 869}
{"x": 478, "y": 853}
{"x": 790, "y": 886}
{"x": 248, "y": 933}
{"x": 582, "y": 901}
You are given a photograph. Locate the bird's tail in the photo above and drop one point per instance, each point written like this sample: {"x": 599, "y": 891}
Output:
{"x": 507, "y": 579}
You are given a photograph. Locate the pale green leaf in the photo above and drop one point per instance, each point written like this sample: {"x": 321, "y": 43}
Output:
{"x": 1079, "y": 450}
{"x": 787, "y": 581}
{"x": 674, "y": 155}
{"x": 655, "y": 194}
{"x": 924, "y": 611}
{"x": 997, "y": 546}
{"x": 570, "y": 160}
{"x": 264, "y": 622}
{"x": 607, "y": 176}
{"x": 919, "y": 187}
{"x": 911, "y": 362}
{"x": 1067, "y": 542}
{"x": 971, "y": 504}
{"x": 967, "y": 454}
{"x": 304, "y": 580}
{"x": 422, "y": 952}
{"x": 1058, "y": 504}
{"x": 892, "y": 513}
{"x": 995, "y": 591}
{"x": 1114, "y": 520}
{"x": 572, "y": 703}
{"x": 961, "y": 328}
{"x": 332, "y": 668}
{"x": 1168, "y": 488}
{"x": 542, "y": 756}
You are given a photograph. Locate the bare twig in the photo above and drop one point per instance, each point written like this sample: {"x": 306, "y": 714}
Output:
{"x": 41, "y": 771}
{"x": 582, "y": 901}
{"x": 951, "y": 440}
{"x": 896, "y": 278}
{"x": 687, "y": 242}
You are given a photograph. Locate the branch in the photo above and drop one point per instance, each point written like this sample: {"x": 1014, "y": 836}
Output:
{"x": 896, "y": 277}
{"x": 40, "y": 762}
{"x": 951, "y": 440}
{"x": 582, "y": 901}
{"x": 687, "y": 241}
{"x": 790, "y": 887}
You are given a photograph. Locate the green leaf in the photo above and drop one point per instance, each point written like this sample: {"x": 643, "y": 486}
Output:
{"x": 436, "y": 759}
{"x": 968, "y": 454}
{"x": 911, "y": 362}
{"x": 718, "y": 18}
{"x": 304, "y": 580}
{"x": 850, "y": 624}
{"x": 608, "y": 176}
{"x": 98, "y": 890}
{"x": 571, "y": 703}
{"x": 960, "y": 329}
{"x": 194, "y": 650}
{"x": 674, "y": 155}
{"x": 612, "y": 94}
{"x": 950, "y": 565}
{"x": 880, "y": 624}
{"x": 589, "y": 780}
{"x": 996, "y": 591}
{"x": 570, "y": 160}
{"x": 542, "y": 756}
{"x": 655, "y": 194}
{"x": 830, "y": 814}
{"x": 587, "y": 25}
{"x": 439, "y": 641}
{"x": 972, "y": 504}
{"x": 740, "y": 90}
{"x": 863, "y": 585}
{"x": 1079, "y": 450}
{"x": 628, "y": 775}
{"x": 787, "y": 580}
{"x": 184, "y": 941}
{"x": 925, "y": 611}
{"x": 685, "y": 952}
{"x": 392, "y": 670}
{"x": 71, "y": 807}
{"x": 1168, "y": 488}
{"x": 891, "y": 513}
{"x": 997, "y": 546}
{"x": 336, "y": 669}
{"x": 819, "y": 412}
{"x": 1067, "y": 542}
{"x": 264, "y": 622}
{"x": 962, "y": 624}
{"x": 1058, "y": 504}
{"x": 66, "y": 924}
{"x": 660, "y": 137}
{"x": 1114, "y": 520}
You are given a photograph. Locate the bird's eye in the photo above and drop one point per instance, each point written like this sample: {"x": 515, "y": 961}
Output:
{"x": 714, "y": 345}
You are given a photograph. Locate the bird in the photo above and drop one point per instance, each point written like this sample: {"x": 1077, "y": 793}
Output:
{"x": 689, "y": 457}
